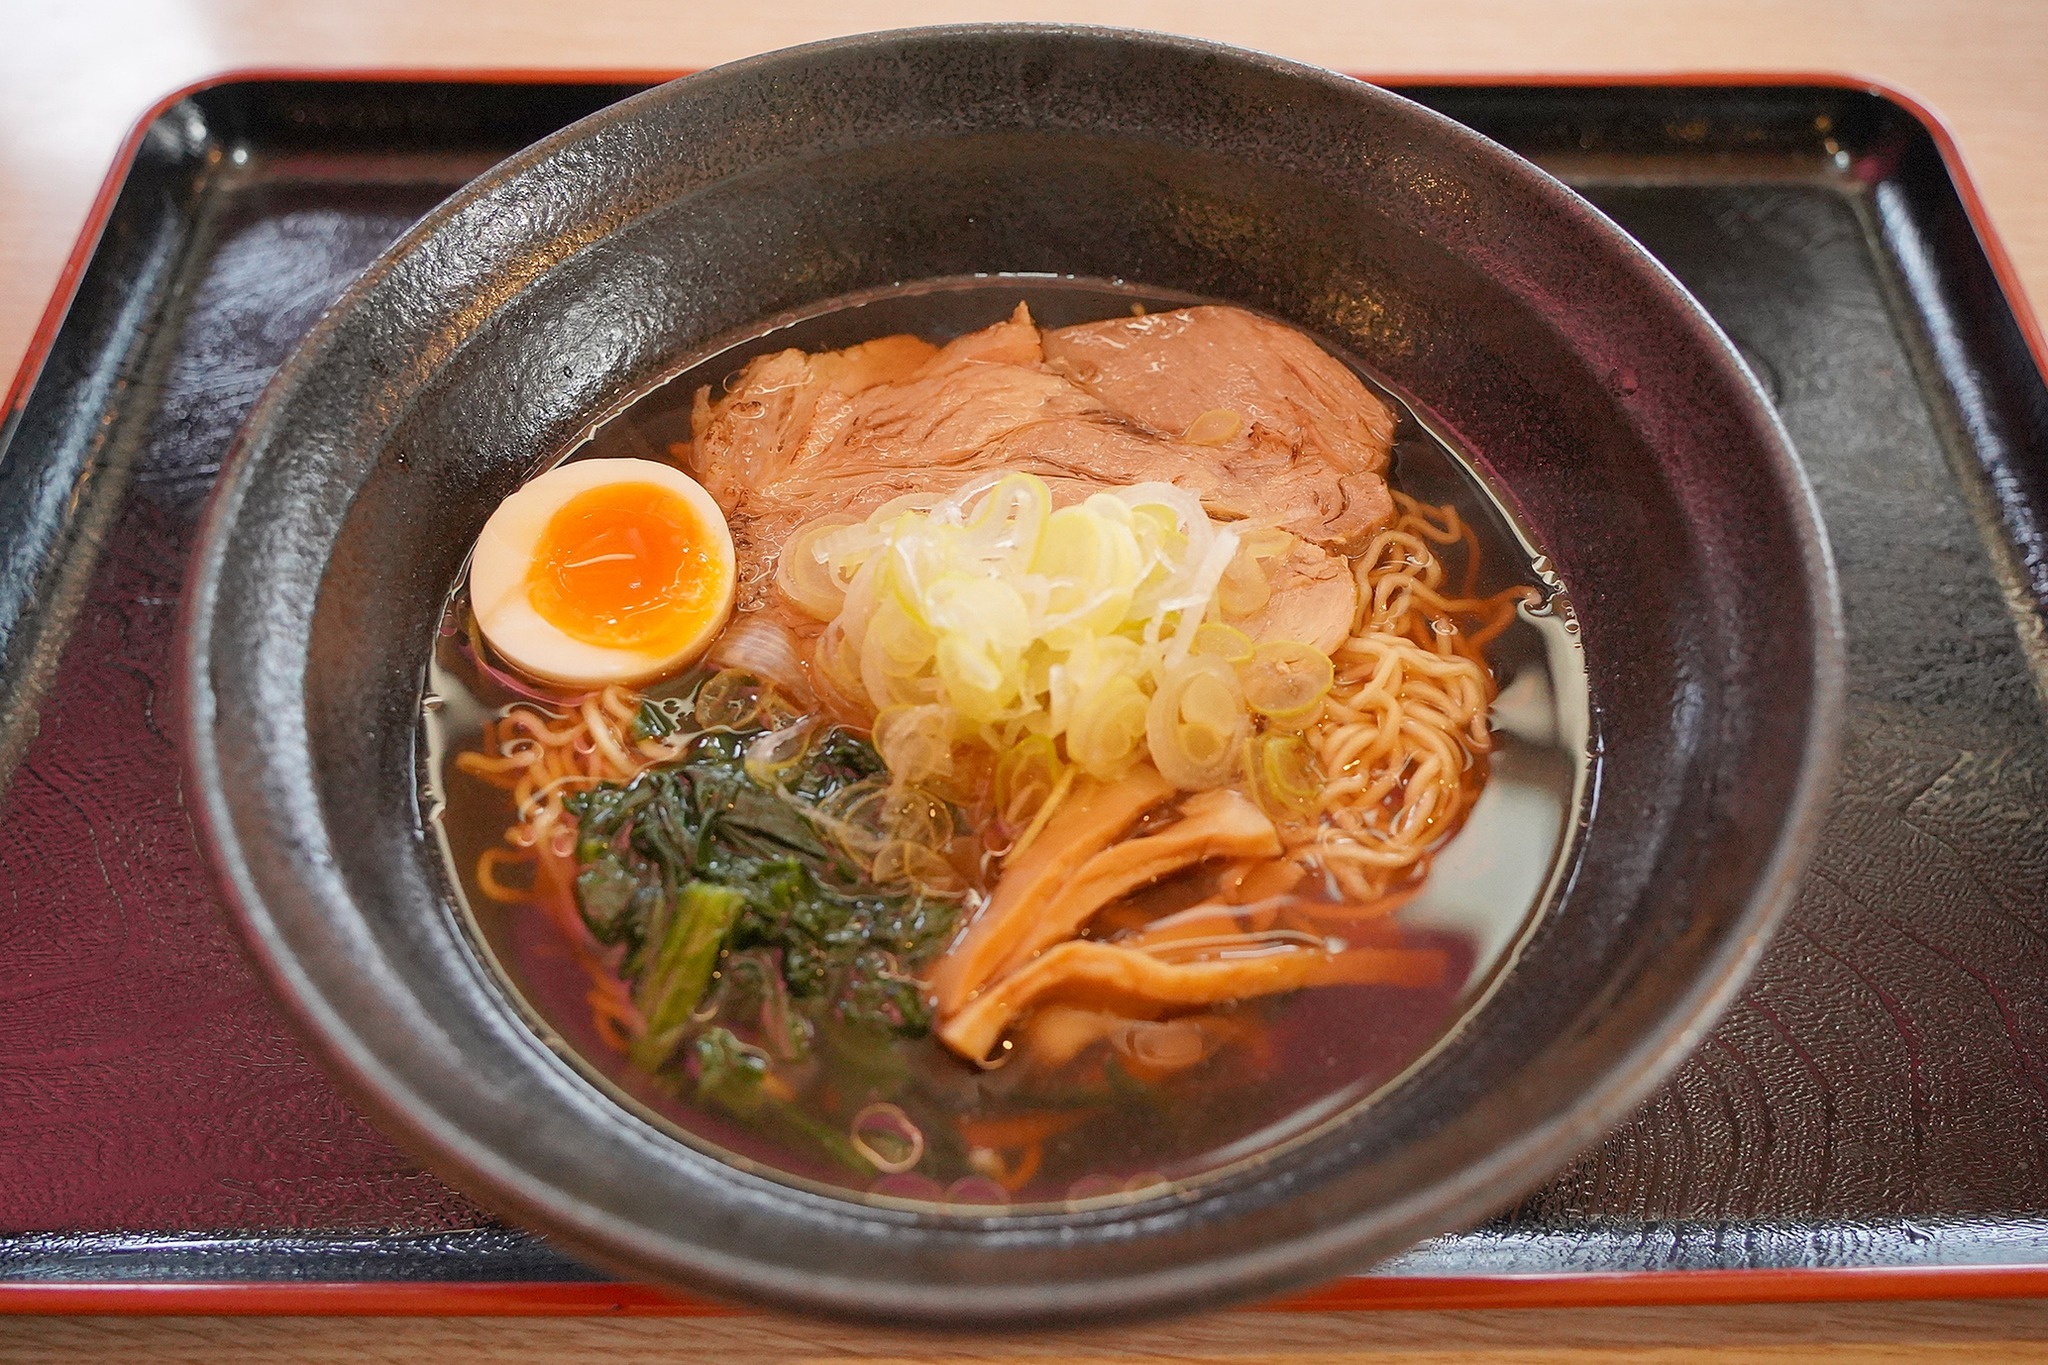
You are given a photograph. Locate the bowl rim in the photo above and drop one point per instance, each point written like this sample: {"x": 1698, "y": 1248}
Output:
{"x": 1459, "y": 1198}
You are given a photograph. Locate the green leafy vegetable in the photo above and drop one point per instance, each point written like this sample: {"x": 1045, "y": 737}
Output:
{"x": 733, "y": 1076}
{"x": 652, "y": 721}
{"x": 668, "y": 991}
{"x": 703, "y": 820}
{"x": 730, "y": 1073}
{"x": 753, "y": 990}
{"x": 748, "y": 934}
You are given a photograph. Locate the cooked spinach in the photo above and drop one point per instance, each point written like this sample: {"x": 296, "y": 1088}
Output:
{"x": 673, "y": 983}
{"x": 730, "y": 1073}
{"x": 650, "y": 852}
{"x": 751, "y": 991}
{"x": 657, "y": 718}
{"x": 733, "y": 1075}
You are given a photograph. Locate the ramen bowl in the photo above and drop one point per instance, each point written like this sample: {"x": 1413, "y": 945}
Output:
{"x": 1612, "y": 418}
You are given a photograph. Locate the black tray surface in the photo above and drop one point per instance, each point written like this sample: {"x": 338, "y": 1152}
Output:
{"x": 1879, "y": 1097}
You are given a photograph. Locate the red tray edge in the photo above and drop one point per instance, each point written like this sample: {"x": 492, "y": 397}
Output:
{"x": 1589, "y": 1289}
{"x": 1630, "y": 1289}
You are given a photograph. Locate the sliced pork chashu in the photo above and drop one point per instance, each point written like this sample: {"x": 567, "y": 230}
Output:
{"x": 1296, "y": 428}
{"x": 799, "y": 436}
{"x": 1313, "y": 599}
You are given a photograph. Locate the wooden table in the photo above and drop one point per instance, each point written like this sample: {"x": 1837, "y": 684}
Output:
{"x": 74, "y": 75}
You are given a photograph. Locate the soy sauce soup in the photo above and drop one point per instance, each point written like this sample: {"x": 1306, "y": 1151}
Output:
{"x": 887, "y": 1111}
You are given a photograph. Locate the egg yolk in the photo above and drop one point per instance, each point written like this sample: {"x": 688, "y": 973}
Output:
{"x": 626, "y": 566}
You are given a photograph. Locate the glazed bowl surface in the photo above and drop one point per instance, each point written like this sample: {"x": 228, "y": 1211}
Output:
{"x": 1614, "y": 418}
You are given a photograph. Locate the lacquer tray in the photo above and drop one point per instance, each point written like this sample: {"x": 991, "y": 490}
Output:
{"x": 1870, "y": 1120}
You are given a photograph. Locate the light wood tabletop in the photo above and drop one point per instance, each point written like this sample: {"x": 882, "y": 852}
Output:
{"x": 74, "y": 77}
{"x": 1996, "y": 1331}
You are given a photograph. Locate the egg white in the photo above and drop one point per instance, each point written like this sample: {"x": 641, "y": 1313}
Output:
{"x": 501, "y": 567}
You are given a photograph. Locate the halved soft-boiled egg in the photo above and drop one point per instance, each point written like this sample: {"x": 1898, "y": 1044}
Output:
{"x": 603, "y": 571}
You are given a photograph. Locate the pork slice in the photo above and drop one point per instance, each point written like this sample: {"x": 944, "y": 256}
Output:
{"x": 781, "y": 405}
{"x": 1013, "y": 341}
{"x": 800, "y": 436}
{"x": 1314, "y": 600}
{"x": 1236, "y": 482}
{"x": 949, "y": 415}
{"x": 1167, "y": 369}
{"x": 845, "y": 432}
{"x": 926, "y": 436}
{"x": 1269, "y": 402}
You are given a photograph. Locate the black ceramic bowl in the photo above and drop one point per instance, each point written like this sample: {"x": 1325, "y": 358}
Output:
{"x": 1626, "y": 434}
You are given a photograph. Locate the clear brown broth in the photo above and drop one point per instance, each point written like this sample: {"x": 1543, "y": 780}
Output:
{"x": 1324, "y": 1050}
